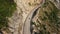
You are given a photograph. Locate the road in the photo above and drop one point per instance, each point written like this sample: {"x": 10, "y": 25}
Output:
{"x": 26, "y": 27}
{"x": 27, "y": 23}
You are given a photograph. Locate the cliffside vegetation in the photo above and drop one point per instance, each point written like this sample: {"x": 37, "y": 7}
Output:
{"x": 48, "y": 20}
{"x": 7, "y": 7}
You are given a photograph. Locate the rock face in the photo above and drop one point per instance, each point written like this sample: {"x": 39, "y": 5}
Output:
{"x": 56, "y": 2}
{"x": 24, "y": 7}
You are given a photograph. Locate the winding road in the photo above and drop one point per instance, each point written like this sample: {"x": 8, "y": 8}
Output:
{"x": 27, "y": 24}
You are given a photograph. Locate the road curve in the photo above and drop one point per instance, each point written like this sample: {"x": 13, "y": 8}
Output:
{"x": 26, "y": 27}
{"x": 27, "y": 23}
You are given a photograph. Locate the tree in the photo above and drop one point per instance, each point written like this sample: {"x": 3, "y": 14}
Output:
{"x": 7, "y": 7}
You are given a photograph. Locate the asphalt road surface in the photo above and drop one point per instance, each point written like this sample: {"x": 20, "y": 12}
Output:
{"x": 27, "y": 23}
{"x": 26, "y": 27}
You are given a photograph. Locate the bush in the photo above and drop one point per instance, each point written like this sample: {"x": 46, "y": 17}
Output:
{"x": 7, "y": 7}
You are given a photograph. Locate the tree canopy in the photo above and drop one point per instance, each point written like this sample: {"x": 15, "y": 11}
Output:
{"x": 7, "y": 7}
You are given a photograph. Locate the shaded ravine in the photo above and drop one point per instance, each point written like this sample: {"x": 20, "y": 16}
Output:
{"x": 34, "y": 14}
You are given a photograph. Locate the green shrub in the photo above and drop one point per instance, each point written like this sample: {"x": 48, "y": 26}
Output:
{"x": 7, "y": 7}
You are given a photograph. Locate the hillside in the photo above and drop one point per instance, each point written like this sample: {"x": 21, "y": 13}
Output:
{"x": 47, "y": 21}
{"x": 17, "y": 14}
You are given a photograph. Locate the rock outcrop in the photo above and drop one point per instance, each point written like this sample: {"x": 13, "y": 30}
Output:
{"x": 24, "y": 7}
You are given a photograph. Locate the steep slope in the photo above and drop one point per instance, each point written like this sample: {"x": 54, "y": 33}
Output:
{"x": 24, "y": 7}
{"x": 48, "y": 20}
